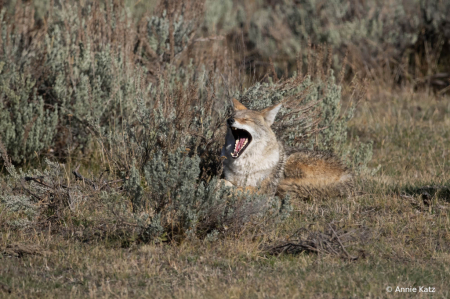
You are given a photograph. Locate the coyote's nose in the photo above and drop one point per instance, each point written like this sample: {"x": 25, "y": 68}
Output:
{"x": 230, "y": 121}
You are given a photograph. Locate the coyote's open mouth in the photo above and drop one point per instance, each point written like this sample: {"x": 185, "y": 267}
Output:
{"x": 243, "y": 139}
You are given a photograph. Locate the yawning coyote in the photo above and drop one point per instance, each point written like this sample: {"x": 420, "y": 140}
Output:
{"x": 257, "y": 161}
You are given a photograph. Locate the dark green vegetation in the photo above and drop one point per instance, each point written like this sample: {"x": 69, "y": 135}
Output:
{"x": 111, "y": 124}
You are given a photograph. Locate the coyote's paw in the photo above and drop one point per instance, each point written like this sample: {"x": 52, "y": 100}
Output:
{"x": 224, "y": 183}
{"x": 228, "y": 183}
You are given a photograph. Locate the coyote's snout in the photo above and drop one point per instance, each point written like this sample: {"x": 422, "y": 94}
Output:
{"x": 256, "y": 159}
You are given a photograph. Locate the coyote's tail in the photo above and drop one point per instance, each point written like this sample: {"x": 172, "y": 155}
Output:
{"x": 310, "y": 174}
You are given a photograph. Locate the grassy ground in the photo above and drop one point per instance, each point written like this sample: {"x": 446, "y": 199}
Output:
{"x": 396, "y": 235}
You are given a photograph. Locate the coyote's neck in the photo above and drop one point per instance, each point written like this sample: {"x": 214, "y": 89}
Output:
{"x": 256, "y": 166}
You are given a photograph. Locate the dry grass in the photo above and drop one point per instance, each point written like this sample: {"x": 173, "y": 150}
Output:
{"x": 391, "y": 236}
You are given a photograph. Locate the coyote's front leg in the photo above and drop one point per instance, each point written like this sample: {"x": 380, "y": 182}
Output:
{"x": 250, "y": 189}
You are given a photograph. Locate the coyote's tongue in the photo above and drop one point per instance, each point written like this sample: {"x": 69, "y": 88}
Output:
{"x": 239, "y": 145}
{"x": 242, "y": 140}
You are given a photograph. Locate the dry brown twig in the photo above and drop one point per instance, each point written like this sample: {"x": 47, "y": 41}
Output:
{"x": 328, "y": 242}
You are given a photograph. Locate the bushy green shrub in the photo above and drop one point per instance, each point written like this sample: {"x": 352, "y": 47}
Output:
{"x": 26, "y": 126}
{"x": 69, "y": 83}
{"x": 159, "y": 37}
{"x": 82, "y": 80}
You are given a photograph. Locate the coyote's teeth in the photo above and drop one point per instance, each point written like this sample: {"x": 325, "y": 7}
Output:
{"x": 245, "y": 142}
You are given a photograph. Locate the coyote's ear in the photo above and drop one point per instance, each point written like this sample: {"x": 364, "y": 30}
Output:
{"x": 238, "y": 106}
{"x": 270, "y": 113}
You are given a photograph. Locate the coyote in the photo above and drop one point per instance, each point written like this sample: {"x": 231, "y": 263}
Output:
{"x": 257, "y": 161}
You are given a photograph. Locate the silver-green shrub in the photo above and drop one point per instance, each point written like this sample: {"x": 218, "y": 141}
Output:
{"x": 158, "y": 33}
{"x": 79, "y": 80}
{"x": 26, "y": 126}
